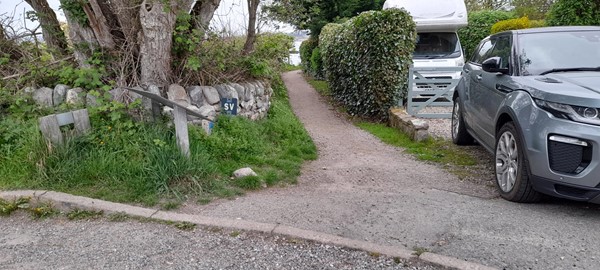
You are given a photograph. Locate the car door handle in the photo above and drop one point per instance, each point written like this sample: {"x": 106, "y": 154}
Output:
{"x": 479, "y": 77}
{"x": 503, "y": 88}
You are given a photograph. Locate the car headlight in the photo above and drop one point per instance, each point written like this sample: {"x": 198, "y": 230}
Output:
{"x": 576, "y": 113}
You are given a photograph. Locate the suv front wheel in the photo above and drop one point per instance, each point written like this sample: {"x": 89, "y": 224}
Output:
{"x": 512, "y": 172}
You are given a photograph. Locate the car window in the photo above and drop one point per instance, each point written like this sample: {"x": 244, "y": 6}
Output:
{"x": 483, "y": 50}
{"x": 540, "y": 52}
{"x": 501, "y": 49}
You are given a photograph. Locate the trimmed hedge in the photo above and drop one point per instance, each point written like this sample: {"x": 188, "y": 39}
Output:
{"x": 480, "y": 24}
{"x": 574, "y": 12}
{"x": 512, "y": 24}
{"x": 367, "y": 58}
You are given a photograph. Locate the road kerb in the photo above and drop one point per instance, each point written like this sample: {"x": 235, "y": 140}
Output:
{"x": 66, "y": 202}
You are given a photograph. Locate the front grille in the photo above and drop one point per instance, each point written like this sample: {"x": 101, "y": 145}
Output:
{"x": 568, "y": 158}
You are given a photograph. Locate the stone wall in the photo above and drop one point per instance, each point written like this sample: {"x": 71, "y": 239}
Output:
{"x": 254, "y": 98}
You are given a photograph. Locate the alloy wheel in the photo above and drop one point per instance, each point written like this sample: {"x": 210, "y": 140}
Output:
{"x": 507, "y": 161}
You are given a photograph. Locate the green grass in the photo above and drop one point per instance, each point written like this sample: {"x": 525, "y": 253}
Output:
{"x": 288, "y": 67}
{"x": 436, "y": 150}
{"x": 132, "y": 162}
{"x": 322, "y": 87}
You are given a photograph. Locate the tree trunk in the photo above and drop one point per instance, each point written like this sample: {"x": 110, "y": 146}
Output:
{"x": 252, "y": 10}
{"x": 127, "y": 17}
{"x": 2, "y": 34}
{"x": 203, "y": 11}
{"x": 157, "y": 23}
{"x": 53, "y": 35}
{"x": 83, "y": 39}
{"x": 98, "y": 23}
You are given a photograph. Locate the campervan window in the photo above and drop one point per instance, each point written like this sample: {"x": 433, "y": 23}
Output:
{"x": 437, "y": 45}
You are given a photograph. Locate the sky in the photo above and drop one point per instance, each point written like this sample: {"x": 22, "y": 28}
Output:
{"x": 231, "y": 15}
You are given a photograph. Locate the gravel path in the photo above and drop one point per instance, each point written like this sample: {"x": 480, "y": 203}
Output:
{"x": 362, "y": 189}
{"x": 58, "y": 243}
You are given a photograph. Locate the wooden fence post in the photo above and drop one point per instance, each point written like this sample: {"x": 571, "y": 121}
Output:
{"x": 181, "y": 130}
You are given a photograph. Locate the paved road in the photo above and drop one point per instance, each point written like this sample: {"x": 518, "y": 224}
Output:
{"x": 360, "y": 188}
{"x": 58, "y": 243}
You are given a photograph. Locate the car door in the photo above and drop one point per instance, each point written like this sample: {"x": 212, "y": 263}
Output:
{"x": 493, "y": 89}
{"x": 472, "y": 77}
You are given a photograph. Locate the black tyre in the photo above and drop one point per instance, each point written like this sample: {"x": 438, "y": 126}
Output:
{"x": 460, "y": 136}
{"x": 512, "y": 167}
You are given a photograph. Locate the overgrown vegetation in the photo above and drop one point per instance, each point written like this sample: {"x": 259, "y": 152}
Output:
{"x": 314, "y": 15}
{"x": 127, "y": 161}
{"x": 574, "y": 12}
{"x": 366, "y": 60}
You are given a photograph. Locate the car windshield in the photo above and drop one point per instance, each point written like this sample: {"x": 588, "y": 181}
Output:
{"x": 437, "y": 45}
{"x": 543, "y": 52}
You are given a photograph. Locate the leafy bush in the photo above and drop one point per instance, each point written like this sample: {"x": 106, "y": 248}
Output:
{"x": 480, "y": 24}
{"x": 367, "y": 58}
{"x": 574, "y": 12}
{"x": 512, "y": 24}
{"x": 537, "y": 23}
{"x": 213, "y": 60}
{"x": 306, "y": 52}
{"x": 316, "y": 63}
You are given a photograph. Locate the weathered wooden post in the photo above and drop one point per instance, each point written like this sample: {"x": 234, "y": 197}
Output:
{"x": 180, "y": 114}
{"x": 181, "y": 130}
{"x": 50, "y": 125}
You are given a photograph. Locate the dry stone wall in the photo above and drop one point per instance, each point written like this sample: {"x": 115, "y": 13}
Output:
{"x": 254, "y": 98}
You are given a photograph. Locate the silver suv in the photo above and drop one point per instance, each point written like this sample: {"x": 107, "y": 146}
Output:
{"x": 532, "y": 98}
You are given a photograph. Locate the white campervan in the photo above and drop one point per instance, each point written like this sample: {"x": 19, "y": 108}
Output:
{"x": 437, "y": 41}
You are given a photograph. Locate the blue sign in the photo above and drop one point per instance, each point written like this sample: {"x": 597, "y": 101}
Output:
{"x": 229, "y": 106}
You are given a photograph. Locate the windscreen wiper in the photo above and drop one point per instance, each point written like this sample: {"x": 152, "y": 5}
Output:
{"x": 570, "y": 70}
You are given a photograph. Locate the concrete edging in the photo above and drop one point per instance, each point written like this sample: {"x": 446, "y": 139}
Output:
{"x": 66, "y": 202}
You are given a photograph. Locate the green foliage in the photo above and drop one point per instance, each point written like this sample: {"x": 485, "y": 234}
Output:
{"x": 533, "y": 9}
{"x": 574, "y": 12}
{"x": 367, "y": 58}
{"x": 126, "y": 161}
{"x": 195, "y": 56}
{"x": 512, "y": 24}
{"x": 480, "y": 24}
{"x": 436, "y": 150}
{"x": 313, "y": 14}
{"x": 75, "y": 8}
{"x": 8, "y": 207}
{"x": 537, "y": 23}
{"x": 306, "y": 50}
{"x": 316, "y": 63}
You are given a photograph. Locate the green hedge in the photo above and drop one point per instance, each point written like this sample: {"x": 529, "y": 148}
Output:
{"x": 311, "y": 58}
{"x": 512, "y": 24}
{"x": 366, "y": 60}
{"x": 574, "y": 12}
{"x": 480, "y": 24}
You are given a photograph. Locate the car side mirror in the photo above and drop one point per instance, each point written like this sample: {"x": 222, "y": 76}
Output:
{"x": 492, "y": 65}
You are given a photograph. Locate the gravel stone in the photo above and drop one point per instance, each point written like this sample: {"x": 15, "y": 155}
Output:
{"x": 57, "y": 243}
